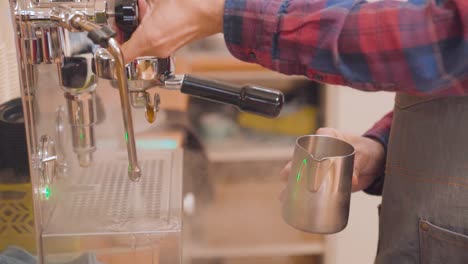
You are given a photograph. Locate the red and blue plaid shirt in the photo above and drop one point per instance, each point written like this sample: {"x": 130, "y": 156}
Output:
{"x": 418, "y": 47}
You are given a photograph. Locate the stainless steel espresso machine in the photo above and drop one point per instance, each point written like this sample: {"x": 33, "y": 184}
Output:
{"x": 98, "y": 198}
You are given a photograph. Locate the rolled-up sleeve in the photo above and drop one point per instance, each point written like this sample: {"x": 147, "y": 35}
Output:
{"x": 416, "y": 47}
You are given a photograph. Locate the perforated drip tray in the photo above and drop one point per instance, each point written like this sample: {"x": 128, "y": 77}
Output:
{"x": 102, "y": 199}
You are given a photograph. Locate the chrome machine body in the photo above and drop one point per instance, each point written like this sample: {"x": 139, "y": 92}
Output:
{"x": 96, "y": 195}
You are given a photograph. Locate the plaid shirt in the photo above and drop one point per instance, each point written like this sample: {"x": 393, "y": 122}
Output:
{"x": 409, "y": 46}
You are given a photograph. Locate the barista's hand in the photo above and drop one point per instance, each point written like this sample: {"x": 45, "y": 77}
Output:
{"x": 369, "y": 159}
{"x": 167, "y": 25}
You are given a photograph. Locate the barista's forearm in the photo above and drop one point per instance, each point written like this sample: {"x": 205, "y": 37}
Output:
{"x": 385, "y": 45}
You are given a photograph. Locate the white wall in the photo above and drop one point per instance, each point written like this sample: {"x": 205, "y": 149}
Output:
{"x": 355, "y": 111}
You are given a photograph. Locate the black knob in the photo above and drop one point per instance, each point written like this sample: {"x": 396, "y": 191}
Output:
{"x": 126, "y": 17}
{"x": 74, "y": 72}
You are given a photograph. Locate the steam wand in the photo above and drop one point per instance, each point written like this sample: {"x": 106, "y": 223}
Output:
{"x": 104, "y": 37}
{"x": 134, "y": 171}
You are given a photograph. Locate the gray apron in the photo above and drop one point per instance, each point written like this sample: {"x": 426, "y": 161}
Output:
{"x": 424, "y": 211}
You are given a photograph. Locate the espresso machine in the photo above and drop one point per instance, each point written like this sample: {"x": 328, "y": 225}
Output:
{"x": 98, "y": 197}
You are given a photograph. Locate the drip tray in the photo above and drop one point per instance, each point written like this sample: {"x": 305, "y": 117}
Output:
{"x": 102, "y": 199}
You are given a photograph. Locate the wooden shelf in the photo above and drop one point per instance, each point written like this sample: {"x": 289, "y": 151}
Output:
{"x": 208, "y": 62}
{"x": 240, "y": 147}
{"x": 290, "y": 249}
{"x": 231, "y": 152}
{"x": 245, "y": 221}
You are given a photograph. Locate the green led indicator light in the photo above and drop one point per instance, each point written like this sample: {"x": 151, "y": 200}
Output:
{"x": 298, "y": 176}
{"x": 81, "y": 136}
{"x": 46, "y": 192}
{"x": 126, "y": 137}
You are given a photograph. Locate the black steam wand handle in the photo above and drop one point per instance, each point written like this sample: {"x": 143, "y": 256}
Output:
{"x": 248, "y": 98}
{"x": 126, "y": 17}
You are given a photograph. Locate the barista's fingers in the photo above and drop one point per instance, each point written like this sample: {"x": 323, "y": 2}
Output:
{"x": 327, "y": 131}
{"x": 284, "y": 173}
{"x": 132, "y": 48}
{"x": 142, "y": 9}
{"x": 138, "y": 44}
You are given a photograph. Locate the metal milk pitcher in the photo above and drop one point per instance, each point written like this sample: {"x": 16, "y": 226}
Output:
{"x": 318, "y": 191}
